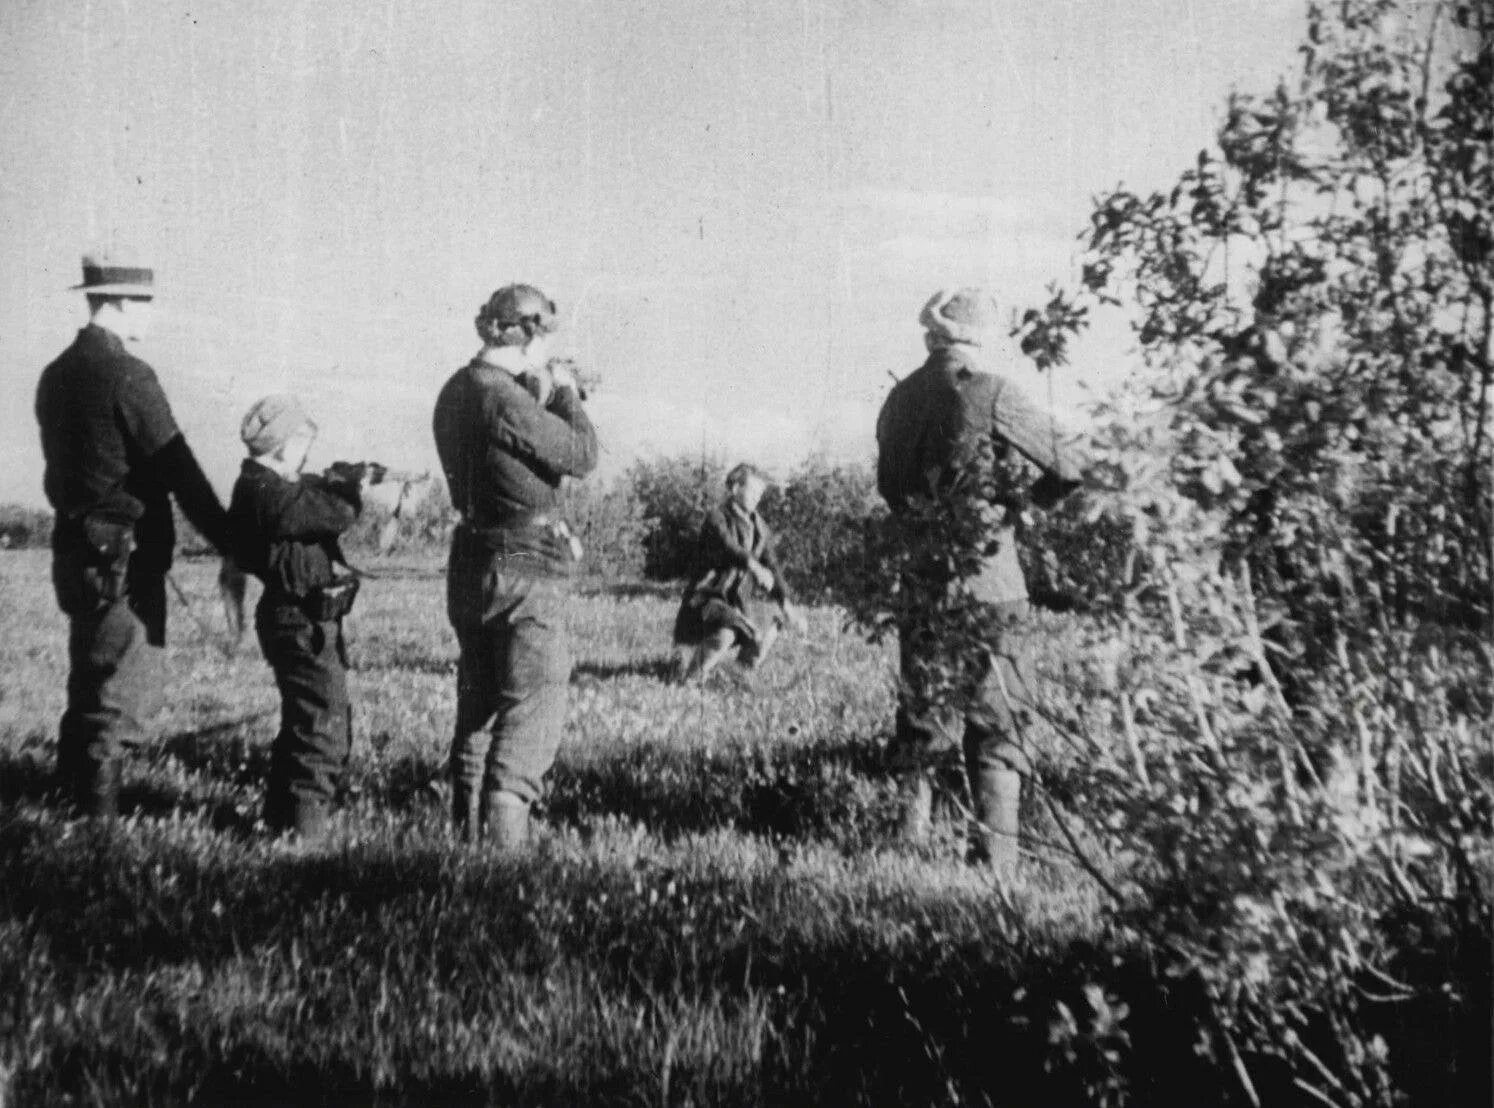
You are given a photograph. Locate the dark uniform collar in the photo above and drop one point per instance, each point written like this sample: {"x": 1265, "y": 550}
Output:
{"x": 101, "y": 337}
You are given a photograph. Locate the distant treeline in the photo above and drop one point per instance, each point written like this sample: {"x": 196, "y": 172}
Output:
{"x": 643, "y": 525}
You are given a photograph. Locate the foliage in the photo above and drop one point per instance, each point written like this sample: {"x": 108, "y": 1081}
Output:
{"x": 1287, "y": 534}
{"x": 820, "y": 515}
{"x": 22, "y": 528}
{"x": 675, "y": 494}
{"x": 1317, "y": 294}
{"x": 609, "y": 521}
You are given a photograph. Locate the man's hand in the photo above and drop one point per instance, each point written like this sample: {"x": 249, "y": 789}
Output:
{"x": 232, "y": 584}
{"x": 563, "y": 373}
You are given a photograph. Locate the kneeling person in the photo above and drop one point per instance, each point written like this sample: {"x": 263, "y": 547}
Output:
{"x": 285, "y": 528}
{"x": 738, "y": 600}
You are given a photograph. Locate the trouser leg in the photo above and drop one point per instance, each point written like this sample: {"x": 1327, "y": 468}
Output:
{"x": 533, "y": 677}
{"x": 920, "y": 735}
{"x": 995, "y": 758}
{"x": 477, "y": 669}
{"x": 311, "y": 751}
{"x": 113, "y": 689}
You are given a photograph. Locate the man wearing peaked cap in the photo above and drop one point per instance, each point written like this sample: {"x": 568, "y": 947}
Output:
{"x": 115, "y": 458}
{"x": 929, "y": 436}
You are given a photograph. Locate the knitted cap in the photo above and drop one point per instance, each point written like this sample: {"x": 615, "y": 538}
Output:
{"x": 966, "y": 315}
{"x": 272, "y": 421}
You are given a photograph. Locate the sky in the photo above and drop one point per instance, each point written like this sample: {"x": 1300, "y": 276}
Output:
{"x": 739, "y": 206}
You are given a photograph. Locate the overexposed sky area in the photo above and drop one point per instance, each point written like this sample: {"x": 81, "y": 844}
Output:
{"x": 739, "y": 205}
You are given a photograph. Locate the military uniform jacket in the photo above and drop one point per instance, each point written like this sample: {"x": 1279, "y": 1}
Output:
{"x": 928, "y": 432}
{"x": 286, "y": 532}
{"x": 504, "y": 454}
{"x": 114, "y": 451}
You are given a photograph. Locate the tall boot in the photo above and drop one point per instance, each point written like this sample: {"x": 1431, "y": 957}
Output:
{"x": 466, "y": 819}
{"x": 918, "y": 809}
{"x": 997, "y": 793}
{"x": 308, "y": 819}
{"x": 505, "y": 816}
{"x": 98, "y": 790}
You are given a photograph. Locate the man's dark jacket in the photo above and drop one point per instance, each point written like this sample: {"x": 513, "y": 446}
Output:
{"x": 928, "y": 434}
{"x": 114, "y": 452}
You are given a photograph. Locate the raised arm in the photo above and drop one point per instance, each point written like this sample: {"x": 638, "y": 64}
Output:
{"x": 316, "y": 508}
{"x": 559, "y": 438}
{"x": 148, "y": 421}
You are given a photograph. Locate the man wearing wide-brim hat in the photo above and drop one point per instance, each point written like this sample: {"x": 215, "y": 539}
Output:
{"x": 114, "y": 459}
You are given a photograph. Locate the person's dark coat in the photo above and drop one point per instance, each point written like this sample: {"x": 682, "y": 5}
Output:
{"x": 721, "y": 588}
{"x": 929, "y": 432}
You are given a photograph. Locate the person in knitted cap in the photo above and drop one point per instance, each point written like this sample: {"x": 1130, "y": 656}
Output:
{"x": 930, "y": 435}
{"x": 285, "y": 527}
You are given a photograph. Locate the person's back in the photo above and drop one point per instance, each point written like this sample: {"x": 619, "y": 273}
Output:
{"x": 505, "y": 449}
{"x": 504, "y": 453}
{"x": 935, "y": 434}
{"x": 930, "y": 433}
{"x": 285, "y": 527}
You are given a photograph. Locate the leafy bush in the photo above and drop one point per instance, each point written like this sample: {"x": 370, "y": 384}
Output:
{"x": 674, "y": 495}
{"x": 24, "y": 528}
{"x": 609, "y": 521}
{"x": 1286, "y": 779}
{"x": 820, "y": 516}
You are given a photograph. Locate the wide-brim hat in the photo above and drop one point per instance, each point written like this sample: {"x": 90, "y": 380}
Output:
{"x": 116, "y": 277}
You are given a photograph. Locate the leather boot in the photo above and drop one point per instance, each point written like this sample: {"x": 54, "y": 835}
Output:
{"x": 308, "y": 819}
{"x": 505, "y": 816}
{"x": 97, "y": 793}
{"x": 466, "y": 820}
{"x": 997, "y": 792}
{"x": 918, "y": 809}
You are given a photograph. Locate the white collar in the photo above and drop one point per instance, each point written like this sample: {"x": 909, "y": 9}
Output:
{"x": 510, "y": 359}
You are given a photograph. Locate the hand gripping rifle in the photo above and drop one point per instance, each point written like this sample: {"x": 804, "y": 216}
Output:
{"x": 373, "y": 473}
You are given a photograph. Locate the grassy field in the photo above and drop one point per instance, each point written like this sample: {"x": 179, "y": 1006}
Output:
{"x": 716, "y": 911}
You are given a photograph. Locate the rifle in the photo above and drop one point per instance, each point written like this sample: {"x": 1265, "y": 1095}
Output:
{"x": 373, "y": 473}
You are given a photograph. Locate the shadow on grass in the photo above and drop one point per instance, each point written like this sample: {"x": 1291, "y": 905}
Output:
{"x": 630, "y": 590}
{"x": 33, "y": 780}
{"x": 895, "y": 1003}
{"x": 823, "y": 791}
{"x": 373, "y": 660}
{"x": 658, "y": 668}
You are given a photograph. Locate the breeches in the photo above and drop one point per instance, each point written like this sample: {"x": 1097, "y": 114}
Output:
{"x": 512, "y": 675}
{"x": 991, "y": 729}
{"x": 312, "y": 748}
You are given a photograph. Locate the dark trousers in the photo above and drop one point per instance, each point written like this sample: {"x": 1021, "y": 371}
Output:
{"x": 116, "y": 628}
{"x": 991, "y": 728}
{"x": 512, "y": 675}
{"x": 312, "y": 748}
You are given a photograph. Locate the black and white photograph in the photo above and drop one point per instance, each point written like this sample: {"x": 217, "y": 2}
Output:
{"x": 759, "y": 552}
